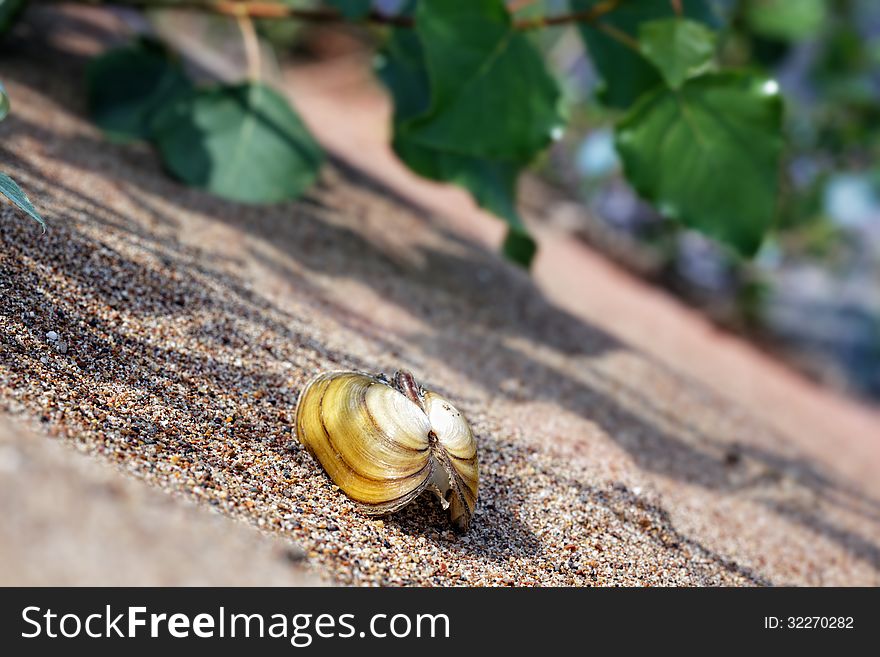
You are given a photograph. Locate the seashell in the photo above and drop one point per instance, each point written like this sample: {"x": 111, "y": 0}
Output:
{"x": 386, "y": 442}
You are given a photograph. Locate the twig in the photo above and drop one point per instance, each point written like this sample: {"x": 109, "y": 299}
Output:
{"x": 274, "y": 9}
{"x": 251, "y": 44}
{"x": 589, "y": 16}
{"x": 251, "y": 8}
{"x": 618, "y": 35}
{"x": 517, "y": 5}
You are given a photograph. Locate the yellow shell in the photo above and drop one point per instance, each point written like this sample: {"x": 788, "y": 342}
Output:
{"x": 385, "y": 442}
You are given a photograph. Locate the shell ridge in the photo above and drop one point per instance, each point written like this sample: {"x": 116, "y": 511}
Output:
{"x": 352, "y": 388}
{"x": 385, "y": 436}
{"x": 397, "y": 503}
{"x": 348, "y": 466}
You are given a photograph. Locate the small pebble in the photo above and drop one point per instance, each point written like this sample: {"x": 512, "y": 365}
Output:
{"x": 51, "y": 336}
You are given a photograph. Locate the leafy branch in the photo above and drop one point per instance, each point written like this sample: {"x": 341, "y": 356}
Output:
{"x": 278, "y": 10}
{"x": 475, "y": 105}
{"x": 250, "y": 8}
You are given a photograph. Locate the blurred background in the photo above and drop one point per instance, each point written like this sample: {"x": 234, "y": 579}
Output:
{"x": 812, "y": 294}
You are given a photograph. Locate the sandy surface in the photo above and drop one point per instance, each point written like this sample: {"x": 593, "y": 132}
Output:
{"x": 190, "y": 325}
{"x": 70, "y": 521}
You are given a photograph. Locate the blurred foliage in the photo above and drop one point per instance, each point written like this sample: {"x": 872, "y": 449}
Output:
{"x": 684, "y": 150}
{"x": 8, "y": 187}
{"x": 4, "y": 102}
{"x": 678, "y": 48}
{"x": 9, "y": 11}
{"x": 127, "y": 86}
{"x": 825, "y": 55}
{"x": 352, "y": 9}
{"x": 625, "y": 73}
{"x": 242, "y": 142}
{"x": 813, "y": 285}
{"x": 784, "y": 19}
{"x": 476, "y": 102}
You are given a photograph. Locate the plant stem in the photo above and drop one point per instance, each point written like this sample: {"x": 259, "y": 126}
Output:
{"x": 271, "y": 9}
{"x": 618, "y": 35}
{"x": 251, "y": 45}
{"x": 274, "y": 9}
{"x": 516, "y": 5}
{"x": 589, "y": 16}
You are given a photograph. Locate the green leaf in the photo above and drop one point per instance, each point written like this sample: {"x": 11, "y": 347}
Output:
{"x": 10, "y": 189}
{"x": 491, "y": 95}
{"x": 127, "y": 86}
{"x": 492, "y": 183}
{"x": 625, "y": 72}
{"x": 679, "y": 48}
{"x": 352, "y": 9}
{"x": 4, "y": 102}
{"x": 242, "y": 142}
{"x": 708, "y": 154}
{"x": 519, "y": 247}
{"x": 9, "y": 12}
{"x": 401, "y": 67}
{"x": 787, "y": 20}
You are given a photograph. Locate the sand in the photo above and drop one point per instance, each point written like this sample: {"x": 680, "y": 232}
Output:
{"x": 72, "y": 521}
{"x": 190, "y": 324}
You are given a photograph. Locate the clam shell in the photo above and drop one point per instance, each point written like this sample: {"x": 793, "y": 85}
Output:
{"x": 383, "y": 448}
